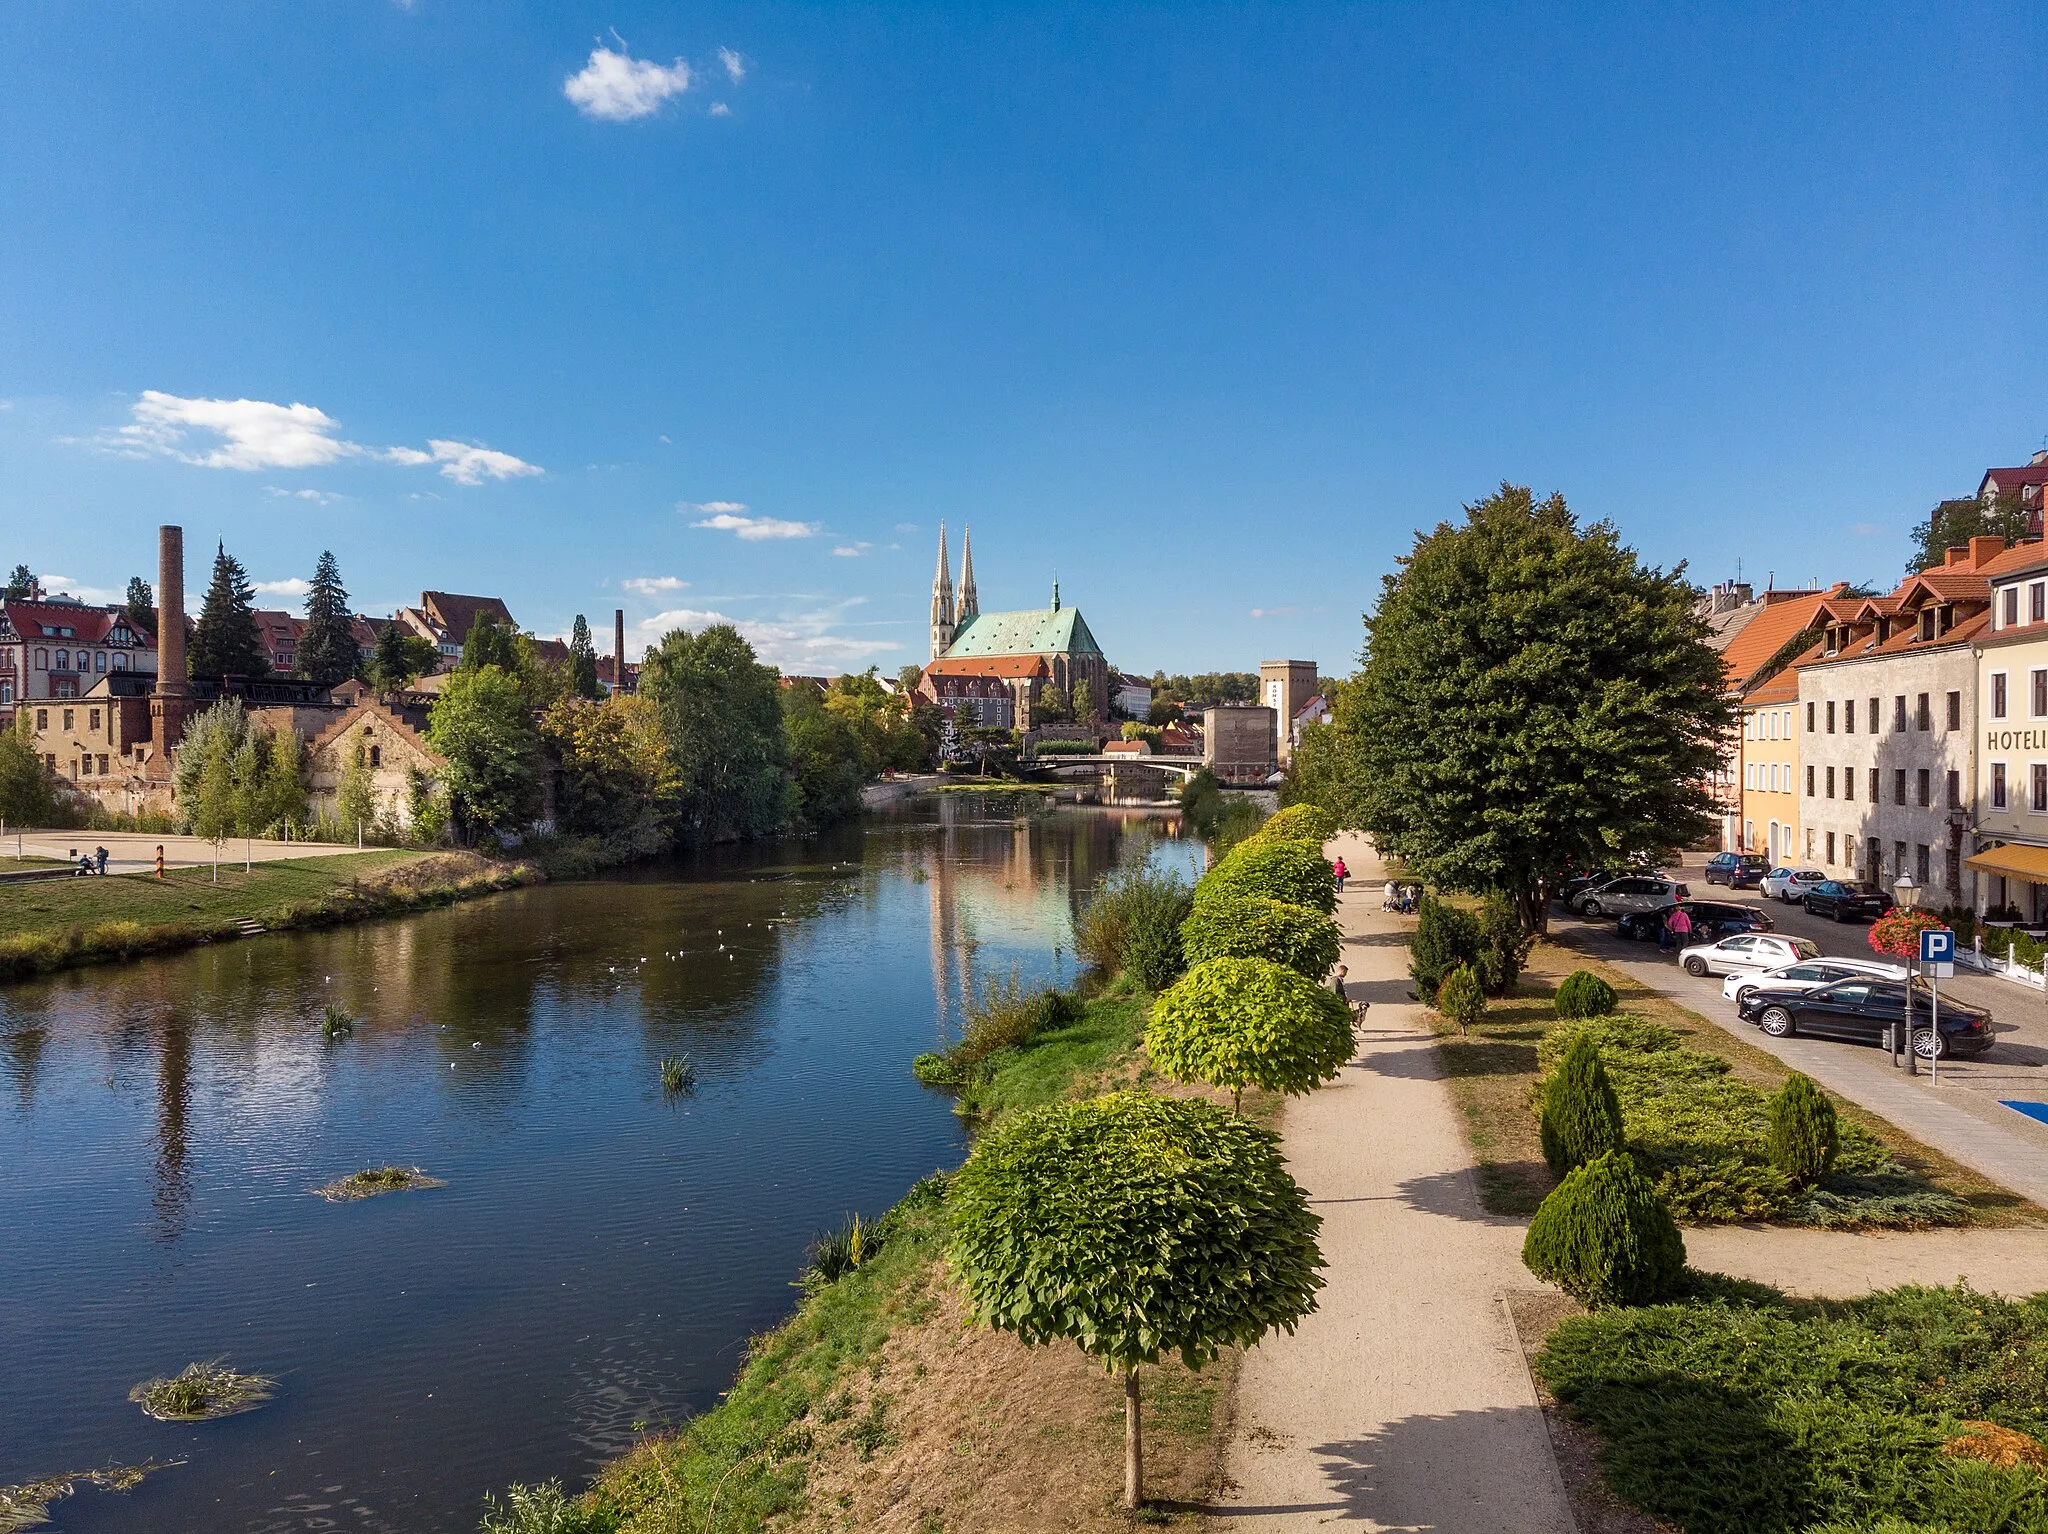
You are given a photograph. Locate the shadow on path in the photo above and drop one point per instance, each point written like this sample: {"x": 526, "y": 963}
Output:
{"x": 1454, "y": 1195}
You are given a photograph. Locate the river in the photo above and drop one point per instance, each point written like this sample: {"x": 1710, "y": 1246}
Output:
{"x": 601, "y": 1251}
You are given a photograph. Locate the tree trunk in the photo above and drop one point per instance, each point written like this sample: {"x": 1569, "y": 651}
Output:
{"x": 1533, "y": 909}
{"x": 1134, "y": 1448}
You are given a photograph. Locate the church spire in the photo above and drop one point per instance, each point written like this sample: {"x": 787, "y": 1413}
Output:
{"x": 943, "y": 623}
{"x": 970, "y": 604}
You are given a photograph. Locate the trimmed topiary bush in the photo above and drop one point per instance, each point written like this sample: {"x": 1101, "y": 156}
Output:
{"x": 1295, "y": 872}
{"x": 1460, "y": 997}
{"x": 1249, "y": 1022}
{"x": 1604, "y": 1237}
{"x": 1581, "y": 1117}
{"x": 1297, "y": 823}
{"x": 1445, "y": 937}
{"x": 1804, "y": 1136}
{"x": 1250, "y": 927}
{"x": 1503, "y": 946}
{"x": 1584, "y": 994}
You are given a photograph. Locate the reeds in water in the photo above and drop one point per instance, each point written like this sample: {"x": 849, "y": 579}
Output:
{"x": 677, "y": 1074}
{"x": 202, "y": 1392}
{"x": 372, "y": 1181}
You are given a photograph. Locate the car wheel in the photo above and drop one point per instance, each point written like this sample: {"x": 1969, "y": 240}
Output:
{"x": 1838, "y": 916}
{"x": 1777, "y": 1022}
{"x": 1929, "y": 1045}
{"x": 1590, "y": 908}
{"x": 1695, "y": 965}
{"x": 1742, "y": 993}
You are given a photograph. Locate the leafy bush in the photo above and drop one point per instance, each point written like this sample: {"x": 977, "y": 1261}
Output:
{"x": 1220, "y": 820}
{"x": 1003, "y": 1015}
{"x": 1297, "y": 823}
{"x": 1503, "y": 945}
{"x": 1121, "y": 902}
{"x": 1295, "y": 872}
{"x": 1460, "y": 997}
{"x": 1604, "y": 1237}
{"x": 1445, "y": 937}
{"x": 543, "y": 1509}
{"x": 1249, "y": 927}
{"x": 1804, "y": 1139}
{"x": 1580, "y": 1118}
{"x": 1065, "y": 748}
{"x": 1249, "y": 1022}
{"x": 1134, "y": 1226}
{"x": 1583, "y": 994}
{"x": 1153, "y": 952}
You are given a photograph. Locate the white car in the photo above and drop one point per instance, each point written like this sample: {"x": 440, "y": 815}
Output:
{"x": 1807, "y": 974}
{"x": 1789, "y": 884}
{"x": 1748, "y": 951}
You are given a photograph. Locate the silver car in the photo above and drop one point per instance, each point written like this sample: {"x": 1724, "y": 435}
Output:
{"x": 1746, "y": 951}
{"x": 1631, "y": 893}
{"x": 1789, "y": 884}
{"x": 1808, "y": 974}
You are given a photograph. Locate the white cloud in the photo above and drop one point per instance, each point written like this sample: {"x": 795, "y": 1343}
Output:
{"x": 653, "y": 585}
{"x": 735, "y": 66}
{"x": 906, "y": 527}
{"x": 252, "y": 433}
{"x": 806, "y": 642}
{"x": 617, "y": 88}
{"x": 468, "y": 464}
{"x": 730, "y": 517}
{"x": 317, "y": 497}
{"x": 720, "y": 109}
{"x": 292, "y": 587}
{"x": 65, "y": 586}
{"x": 852, "y": 550}
{"x": 1276, "y": 612}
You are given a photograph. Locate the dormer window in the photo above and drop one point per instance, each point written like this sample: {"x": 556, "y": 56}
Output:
{"x": 1927, "y": 625}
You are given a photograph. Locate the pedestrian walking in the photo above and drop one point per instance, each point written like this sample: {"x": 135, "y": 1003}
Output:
{"x": 1677, "y": 929}
{"x": 1341, "y": 872}
{"x": 99, "y": 857}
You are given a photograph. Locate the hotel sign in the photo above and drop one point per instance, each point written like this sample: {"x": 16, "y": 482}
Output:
{"x": 2016, "y": 740}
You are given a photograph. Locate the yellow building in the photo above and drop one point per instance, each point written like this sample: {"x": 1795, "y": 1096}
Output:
{"x": 1770, "y": 769}
{"x": 2011, "y": 829}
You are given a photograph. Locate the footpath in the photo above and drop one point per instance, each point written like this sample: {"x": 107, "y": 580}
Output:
{"x": 1403, "y": 1403}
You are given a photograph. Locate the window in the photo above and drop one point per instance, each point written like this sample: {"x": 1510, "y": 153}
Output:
{"x": 1955, "y": 712}
{"x": 1809, "y": 843}
{"x": 1873, "y": 857}
{"x": 103, "y": 764}
{"x": 92, "y": 719}
{"x": 1809, "y": 718}
{"x": 120, "y": 662}
{"x": 1749, "y": 776}
{"x": 2011, "y": 615}
{"x": 2041, "y": 788}
{"x": 1927, "y": 625}
{"x": 376, "y": 756}
{"x": 1831, "y": 716}
{"x": 84, "y": 661}
{"x": 1922, "y": 786}
{"x": 1899, "y": 712}
{"x": 69, "y": 715}
{"x": 99, "y": 661}
{"x": 42, "y": 719}
{"x": 1921, "y": 718}
{"x": 1874, "y": 790}
{"x": 1998, "y": 785}
{"x": 1952, "y": 868}
{"x": 1809, "y": 794}
{"x": 1997, "y": 699}
{"x": 1920, "y": 863}
{"x": 42, "y": 660}
{"x": 1955, "y": 789}
{"x": 1848, "y": 782}
{"x": 1899, "y": 856}
{"x": 2037, "y": 602}
{"x": 1831, "y": 849}
{"x": 1849, "y": 717}
{"x": 1874, "y": 725}
{"x": 1831, "y": 782}
{"x": 2040, "y": 681}
{"x": 6, "y": 692}
{"x": 1898, "y": 785}
{"x": 63, "y": 661}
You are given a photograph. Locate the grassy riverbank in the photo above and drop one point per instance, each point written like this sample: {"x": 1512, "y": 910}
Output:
{"x": 876, "y": 1397}
{"x": 65, "y": 923}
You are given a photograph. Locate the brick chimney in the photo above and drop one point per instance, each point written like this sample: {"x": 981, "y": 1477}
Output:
{"x": 1984, "y": 548}
{"x": 619, "y": 650}
{"x": 172, "y": 698}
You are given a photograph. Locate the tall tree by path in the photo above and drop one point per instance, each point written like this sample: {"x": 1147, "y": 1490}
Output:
{"x": 327, "y": 650}
{"x": 1533, "y": 700}
{"x": 582, "y": 661}
{"x": 225, "y": 642}
{"x": 721, "y": 710}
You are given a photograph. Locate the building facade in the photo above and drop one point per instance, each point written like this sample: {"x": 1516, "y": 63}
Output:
{"x": 1237, "y": 742}
{"x": 1285, "y": 686}
{"x": 2010, "y": 856}
{"x": 58, "y": 648}
{"x": 1770, "y": 770}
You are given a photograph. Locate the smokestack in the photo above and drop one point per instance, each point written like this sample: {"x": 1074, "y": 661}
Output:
{"x": 167, "y": 707}
{"x": 618, "y": 649}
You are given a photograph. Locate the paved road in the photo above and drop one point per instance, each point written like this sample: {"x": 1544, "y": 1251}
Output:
{"x": 135, "y": 851}
{"x": 1403, "y": 1403}
{"x": 1961, "y": 1115}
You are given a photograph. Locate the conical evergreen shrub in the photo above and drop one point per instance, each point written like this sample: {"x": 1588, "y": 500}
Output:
{"x": 1460, "y": 997}
{"x": 1445, "y": 937}
{"x": 1583, "y": 994}
{"x": 1804, "y": 1136}
{"x": 1604, "y": 1236}
{"x": 1503, "y": 946}
{"x": 1580, "y": 1117}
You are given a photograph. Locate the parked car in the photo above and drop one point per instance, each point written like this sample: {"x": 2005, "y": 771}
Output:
{"x": 1737, "y": 870}
{"x": 1790, "y": 884}
{"x": 1807, "y": 975}
{"x": 1859, "y": 1010}
{"x": 1710, "y": 919}
{"x": 1746, "y": 951}
{"x": 1618, "y": 897}
{"x": 1834, "y": 897}
{"x": 1569, "y": 892}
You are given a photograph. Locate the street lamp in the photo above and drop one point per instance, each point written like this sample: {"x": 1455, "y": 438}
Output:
{"x": 1907, "y": 894}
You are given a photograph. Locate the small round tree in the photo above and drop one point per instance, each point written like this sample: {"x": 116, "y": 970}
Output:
{"x": 1461, "y": 998}
{"x": 1581, "y": 1117}
{"x": 1804, "y": 1136}
{"x": 1297, "y": 823}
{"x": 1251, "y": 927}
{"x": 1604, "y": 1237}
{"x": 1249, "y": 1022}
{"x": 1279, "y": 870}
{"x": 1133, "y": 1226}
{"x": 1583, "y": 994}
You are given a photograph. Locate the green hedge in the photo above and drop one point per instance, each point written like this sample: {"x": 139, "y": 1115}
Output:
{"x": 1250, "y": 927}
{"x": 1295, "y": 872}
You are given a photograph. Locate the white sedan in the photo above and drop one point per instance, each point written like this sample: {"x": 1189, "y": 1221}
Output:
{"x": 1807, "y": 974}
{"x": 1789, "y": 884}
{"x": 1747, "y": 951}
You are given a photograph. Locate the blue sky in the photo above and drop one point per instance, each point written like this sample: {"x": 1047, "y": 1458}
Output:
{"x": 705, "y": 309}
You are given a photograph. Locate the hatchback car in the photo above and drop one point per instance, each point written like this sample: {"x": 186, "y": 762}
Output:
{"x": 1807, "y": 975}
{"x": 1618, "y": 897}
{"x": 1860, "y": 1010}
{"x": 1710, "y": 919}
{"x": 1834, "y": 897}
{"x": 1790, "y": 884}
{"x": 1746, "y": 951}
{"x": 1737, "y": 870}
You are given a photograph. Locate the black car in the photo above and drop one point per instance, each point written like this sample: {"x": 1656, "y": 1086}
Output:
{"x": 1859, "y": 1010}
{"x": 1711, "y": 920}
{"x": 1833, "y": 897}
{"x": 1738, "y": 870}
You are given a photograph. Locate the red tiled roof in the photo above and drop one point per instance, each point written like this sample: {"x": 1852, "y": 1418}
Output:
{"x": 989, "y": 665}
{"x": 457, "y": 615}
{"x": 88, "y": 625}
{"x": 2005, "y": 481}
{"x": 1765, "y": 634}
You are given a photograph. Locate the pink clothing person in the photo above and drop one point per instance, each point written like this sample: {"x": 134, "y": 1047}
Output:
{"x": 1342, "y": 874}
{"x": 1679, "y": 926}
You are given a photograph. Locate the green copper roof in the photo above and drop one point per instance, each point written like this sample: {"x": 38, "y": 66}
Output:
{"x": 1041, "y": 631}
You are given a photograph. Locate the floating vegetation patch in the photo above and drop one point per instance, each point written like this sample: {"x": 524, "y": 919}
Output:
{"x": 677, "y": 1074}
{"x": 337, "y": 1024}
{"x": 202, "y": 1392}
{"x": 28, "y": 1507}
{"x": 372, "y": 1181}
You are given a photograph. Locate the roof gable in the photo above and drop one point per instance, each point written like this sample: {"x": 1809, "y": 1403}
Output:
{"x": 1770, "y": 631}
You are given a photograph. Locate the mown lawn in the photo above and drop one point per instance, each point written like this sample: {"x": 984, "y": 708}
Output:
{"x": 184, "y": 895}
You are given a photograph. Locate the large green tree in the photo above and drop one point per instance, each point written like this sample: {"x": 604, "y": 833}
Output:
{"x": 1956, "y": 522}
{"x": 582, "y": 661}
{"x": 19, "y": 584}
{"x": 327, "y": 650}
{"x": 721, "y": 712}
{"x": 484, "y": 727}
{"x": 28, "y": 793}
{"x": 400, "y": 656}
{"x": 225, "y": 642}
{"x": 1533, "y": 700}
{"x": 826, "y": 758}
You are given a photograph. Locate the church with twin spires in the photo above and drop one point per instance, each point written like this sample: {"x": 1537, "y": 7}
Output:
{"x": 995, "y": 668}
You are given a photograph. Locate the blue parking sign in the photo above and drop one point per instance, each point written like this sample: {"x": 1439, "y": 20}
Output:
{"x": 1937, "y": 946}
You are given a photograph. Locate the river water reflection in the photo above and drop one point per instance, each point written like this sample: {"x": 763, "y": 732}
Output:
{"x": 600, "y": 1252}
